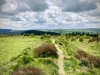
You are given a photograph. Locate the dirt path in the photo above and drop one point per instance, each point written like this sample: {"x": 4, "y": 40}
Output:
{"x": 60, "y": 59}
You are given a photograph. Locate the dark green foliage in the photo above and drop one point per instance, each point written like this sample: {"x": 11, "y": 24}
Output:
{"x": 47, "y": 50}
{"x": 60, "y": 43}
{"x": 37, "y": 32}
{"x": 30, "y": 70}
{"x": 73, "y": 39}
{"x": 24, "y": 59}
{"x": 84, "y": 62}
{"x": 81, "y": 39}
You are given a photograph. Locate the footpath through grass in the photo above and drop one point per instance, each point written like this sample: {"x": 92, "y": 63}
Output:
{"x": 69, "y": 45}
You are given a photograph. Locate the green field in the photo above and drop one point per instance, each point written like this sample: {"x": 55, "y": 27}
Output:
{"x": 17, "y": 51}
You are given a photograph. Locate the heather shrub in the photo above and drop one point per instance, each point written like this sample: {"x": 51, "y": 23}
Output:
{"x": 87, "y": 59}
{"x": 77, "y": 56}
{"x": 97, "y": 39}
{"x": 95, "y": 61}
{"x": 46, "y": 50}
{"x": 82, "y": 54}
{"x": 28, "y": 71}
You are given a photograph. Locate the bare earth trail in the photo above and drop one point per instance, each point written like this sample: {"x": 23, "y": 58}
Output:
{"x": 60, "y": 59}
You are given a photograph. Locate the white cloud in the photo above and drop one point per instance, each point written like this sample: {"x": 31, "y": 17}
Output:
{"x": 34, "y": 14}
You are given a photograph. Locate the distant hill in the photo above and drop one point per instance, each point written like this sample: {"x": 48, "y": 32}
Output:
{"x": 10, "y": 31}
{"x": 49, "y": 31}
{"x": 37, "y": 32}
{"x": 5, "y": 31}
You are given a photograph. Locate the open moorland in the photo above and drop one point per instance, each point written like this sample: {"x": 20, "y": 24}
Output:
{"x": 49, "y": 55}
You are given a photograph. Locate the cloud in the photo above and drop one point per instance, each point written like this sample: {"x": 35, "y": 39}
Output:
{"x": 15, "y": 19}
{"x": 94, "y": 13}
{"x": 13, "y": 7}
{"x": 49, "y": 14}
{"x": 2, "y": 2}
{"x": 75, "y": 5}
{"x": 25, "y": 5}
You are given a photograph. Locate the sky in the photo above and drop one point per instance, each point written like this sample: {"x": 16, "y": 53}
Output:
{"x": 49, "y": 14}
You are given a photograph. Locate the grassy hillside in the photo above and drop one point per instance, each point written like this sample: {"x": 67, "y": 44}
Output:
{"x": 18, "y": 52}
{"x": 70, "y": 45}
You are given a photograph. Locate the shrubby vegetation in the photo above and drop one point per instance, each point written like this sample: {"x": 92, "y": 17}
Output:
{"x": 46, "y": 50}
{"x": 32, "y": 52}
{"x": 30, "y": 70}
{"x": 97, "y": 39}
{"x": 87, "y": 59}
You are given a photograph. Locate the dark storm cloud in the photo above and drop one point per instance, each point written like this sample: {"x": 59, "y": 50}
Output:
{"x": 15, "y": 19}
{"x": 75, "y": 5}
{"x": 95, "y": 13}
{"x": 2, "y": 2}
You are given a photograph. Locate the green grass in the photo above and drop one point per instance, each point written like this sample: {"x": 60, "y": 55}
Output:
{"x": 12, "y": 46}
{"x": 69, "y": 46}
{"x": 91, "y": 48}
{"x": 17, "y": 51}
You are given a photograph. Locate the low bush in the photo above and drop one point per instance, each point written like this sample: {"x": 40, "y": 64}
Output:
{"x": 95, "y": 61}
{"x": 60, "y": 43}
{"x": 87, "y": 59}
{"x": 24, "y": 59}
{"x": 46, "y": 50}
{"x": 97, "y": 39}
{"x": 72, "y": 39}
{"x": 82, "y": 54}
{"x": 28, "y": 71}
{"x": 81, "y": 40}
